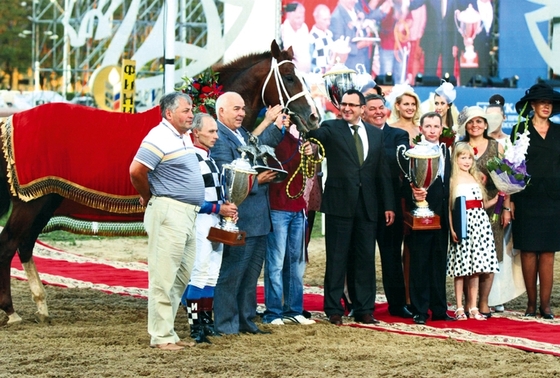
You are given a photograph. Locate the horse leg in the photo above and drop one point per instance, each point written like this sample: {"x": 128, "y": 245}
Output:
{"x": 8, "y": 247}
{"x": 38, "y": 292}
{"x": 19, "y": 234}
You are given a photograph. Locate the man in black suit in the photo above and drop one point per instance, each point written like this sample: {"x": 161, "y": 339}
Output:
{"x": 428, "y": 248}
{"x": 357, "y": 188}
{"x": 390, "y": 238}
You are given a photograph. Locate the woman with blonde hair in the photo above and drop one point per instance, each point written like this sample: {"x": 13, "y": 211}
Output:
{"x": 406, "y": 110}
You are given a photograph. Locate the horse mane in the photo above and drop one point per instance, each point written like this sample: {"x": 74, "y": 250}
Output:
{"x": 242, "y": 63}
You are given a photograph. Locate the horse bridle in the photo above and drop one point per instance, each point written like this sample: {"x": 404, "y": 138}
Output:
{"x": 274, "y": 70}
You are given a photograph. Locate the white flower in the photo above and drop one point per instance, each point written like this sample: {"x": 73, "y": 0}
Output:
{"x": 515, "y": 153}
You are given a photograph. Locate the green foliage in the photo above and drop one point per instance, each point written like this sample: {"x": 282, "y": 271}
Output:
{"x": 16, "y": 46}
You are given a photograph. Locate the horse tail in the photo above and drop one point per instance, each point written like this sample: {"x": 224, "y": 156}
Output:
{"x": 5, "y": 195}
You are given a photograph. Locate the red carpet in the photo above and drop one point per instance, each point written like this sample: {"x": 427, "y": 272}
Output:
{"x": 510, "y": 329}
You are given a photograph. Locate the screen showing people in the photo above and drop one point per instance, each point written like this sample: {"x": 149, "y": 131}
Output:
{"x": 400, "y": 38}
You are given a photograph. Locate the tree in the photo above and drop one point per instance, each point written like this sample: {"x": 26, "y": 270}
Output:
{"x": 15, "y": 51}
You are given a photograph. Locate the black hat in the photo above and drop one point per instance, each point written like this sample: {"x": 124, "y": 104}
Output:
{"x": 539, "y": 91}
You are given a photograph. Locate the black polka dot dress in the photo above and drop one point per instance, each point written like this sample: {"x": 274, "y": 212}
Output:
{"x": 476, "y": 253}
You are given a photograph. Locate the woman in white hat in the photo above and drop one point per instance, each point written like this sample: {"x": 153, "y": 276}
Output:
{"x": 443, "y": 102}
{"x": 473, "y": 124}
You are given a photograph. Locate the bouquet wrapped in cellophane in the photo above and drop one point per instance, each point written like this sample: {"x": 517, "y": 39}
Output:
{"x": 509, "y": 172}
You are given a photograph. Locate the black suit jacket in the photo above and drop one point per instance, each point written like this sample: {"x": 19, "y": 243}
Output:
{"x": 345, "y": 176}
{"x": 394, "y": 137}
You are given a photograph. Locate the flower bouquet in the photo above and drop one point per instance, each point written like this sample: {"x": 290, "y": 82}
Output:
{"x": 203, "y": 90}
{"x": 447, "y": 137}
{"x": 509, "y": 172}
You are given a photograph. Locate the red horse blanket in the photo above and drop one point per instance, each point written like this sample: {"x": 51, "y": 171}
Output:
{"x": 78, "y": 152}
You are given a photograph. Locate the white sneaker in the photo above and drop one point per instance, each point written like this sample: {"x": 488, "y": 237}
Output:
{"x": 299, "y": 319}
{"x": 277, "y": 321}
{"x": 499, "y": 308}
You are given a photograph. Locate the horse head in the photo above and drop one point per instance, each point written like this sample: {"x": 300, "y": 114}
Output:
{"x": 285, "y": 86}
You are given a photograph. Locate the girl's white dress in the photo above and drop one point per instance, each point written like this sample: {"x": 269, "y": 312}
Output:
{"x": 476, "y": 253}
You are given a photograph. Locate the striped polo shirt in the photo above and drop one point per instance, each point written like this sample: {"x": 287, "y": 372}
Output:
{"x": 174, "y": 168}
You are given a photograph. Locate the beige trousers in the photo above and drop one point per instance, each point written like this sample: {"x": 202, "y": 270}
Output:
{"x": 171, "y": 252}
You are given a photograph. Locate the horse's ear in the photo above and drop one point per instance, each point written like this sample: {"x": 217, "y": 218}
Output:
{"x": 275, "y": 49}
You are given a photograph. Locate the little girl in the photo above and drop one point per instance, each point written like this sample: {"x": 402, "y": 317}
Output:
{"x": 477, "y": 253}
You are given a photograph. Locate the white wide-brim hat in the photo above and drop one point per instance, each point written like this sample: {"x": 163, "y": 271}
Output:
{"x": 467, "y": 114}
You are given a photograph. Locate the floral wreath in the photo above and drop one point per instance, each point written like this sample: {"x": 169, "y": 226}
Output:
{"x": 204, "y": 90}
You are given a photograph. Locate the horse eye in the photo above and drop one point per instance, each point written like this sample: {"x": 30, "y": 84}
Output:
{"x": 290, "y": 78}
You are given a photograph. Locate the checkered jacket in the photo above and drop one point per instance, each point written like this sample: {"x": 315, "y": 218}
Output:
{"x": 213, "y": 193}
{"x": 321, "y": 42}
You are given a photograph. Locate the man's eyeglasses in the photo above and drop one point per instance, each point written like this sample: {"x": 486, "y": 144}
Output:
{"x": 345, "y": 104}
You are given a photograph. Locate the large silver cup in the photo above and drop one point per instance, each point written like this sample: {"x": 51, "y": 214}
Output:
{"x": 337, "y": 81}
{"x": 469, "y": 24}
{"x": 239, "y": 177}
{"x": 421, "y": 171}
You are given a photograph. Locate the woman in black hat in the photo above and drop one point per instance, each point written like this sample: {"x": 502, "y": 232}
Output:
{"x": 536, "y": 230}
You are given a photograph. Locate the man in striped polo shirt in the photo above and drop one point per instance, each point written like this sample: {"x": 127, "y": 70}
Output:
{"x": 166, "y": 173}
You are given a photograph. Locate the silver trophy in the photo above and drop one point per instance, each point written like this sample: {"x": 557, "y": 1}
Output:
{"x": 469, "y": 24}
{"x": 239, "y": 178}
{"x": 422, "y": 171}
{"x": 337, "y": 81}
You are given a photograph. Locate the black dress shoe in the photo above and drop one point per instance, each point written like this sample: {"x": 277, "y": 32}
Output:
{"x": 402, "y": 312}
{"x": 419, "y": 319}
{"x": 335, "y": 319}
{"x": 546, "y": 315}
{"x": 445, "y": 317}
{"x": 366, "y": 319}
{"x": 530, "y": 314}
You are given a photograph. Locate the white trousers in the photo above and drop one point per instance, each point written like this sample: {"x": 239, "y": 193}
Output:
{"x": 208, "y": 254}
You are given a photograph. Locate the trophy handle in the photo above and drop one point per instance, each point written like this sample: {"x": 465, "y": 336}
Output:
{"x": 400, "y": 153}
{"x": 457, "y": 12}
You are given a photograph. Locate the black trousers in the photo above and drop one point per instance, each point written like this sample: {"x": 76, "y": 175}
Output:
{"x": 350, "y": 247}
{"x": 389, "y": 242}
{"x": 428, "y": 263}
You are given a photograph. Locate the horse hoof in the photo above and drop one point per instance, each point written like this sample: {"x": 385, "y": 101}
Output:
{"x": 42, "y": 318}
{"x": 14, "y": 319}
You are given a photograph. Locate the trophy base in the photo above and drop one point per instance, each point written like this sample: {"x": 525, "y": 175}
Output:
{"x": 280, "y": 173}
{"x": 233, "y": 238}
{"x": 422, "y": 223}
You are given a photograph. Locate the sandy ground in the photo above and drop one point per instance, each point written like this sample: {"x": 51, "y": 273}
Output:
{"x": 93, "y": 334}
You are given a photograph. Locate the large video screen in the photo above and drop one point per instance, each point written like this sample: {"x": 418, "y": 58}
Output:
{"x": 392, "y": 37}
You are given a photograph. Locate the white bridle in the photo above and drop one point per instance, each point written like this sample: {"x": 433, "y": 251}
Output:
{"x": 274, "y": 69}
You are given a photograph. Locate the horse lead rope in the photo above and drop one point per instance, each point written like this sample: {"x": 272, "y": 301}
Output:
{"x": 307, "y": 167}
{"x": 306, "y": 161}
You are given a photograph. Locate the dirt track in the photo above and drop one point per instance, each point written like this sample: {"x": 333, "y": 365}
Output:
{"x": 93, "y": 334}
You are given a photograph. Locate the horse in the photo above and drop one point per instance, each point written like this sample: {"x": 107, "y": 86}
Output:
{"x": 266, "y": 79}
{"x": 262, "y": 79}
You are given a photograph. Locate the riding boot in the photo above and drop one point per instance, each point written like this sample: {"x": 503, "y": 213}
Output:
{"x": 197, "y": 328}
{"x": 206, "y": 317}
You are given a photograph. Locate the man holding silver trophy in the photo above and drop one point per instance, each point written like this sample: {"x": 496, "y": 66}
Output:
{"x": 428, "y": 245}
{"x": 235, "y": 299}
